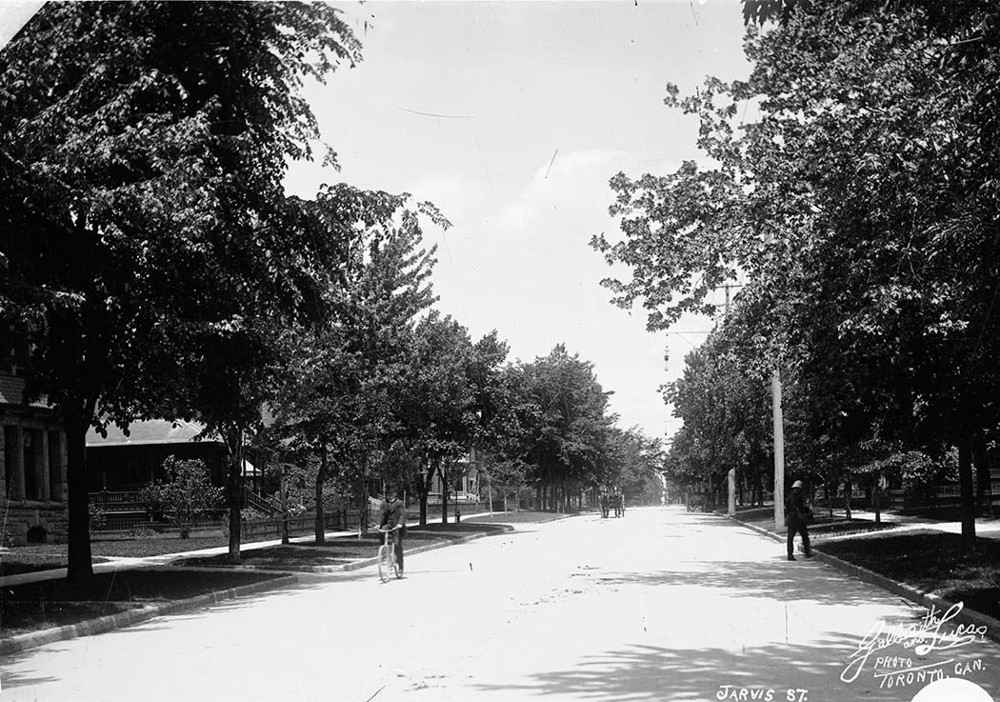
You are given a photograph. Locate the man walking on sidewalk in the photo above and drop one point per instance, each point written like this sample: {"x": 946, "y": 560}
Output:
{"x": 797, "y": 516}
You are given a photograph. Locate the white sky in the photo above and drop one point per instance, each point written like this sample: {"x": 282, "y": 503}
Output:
{"x": 539, "y": 104}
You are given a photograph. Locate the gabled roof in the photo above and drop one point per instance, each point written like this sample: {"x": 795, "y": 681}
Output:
{"x": 150, "y": 431}
{"x": 12, "y": 393}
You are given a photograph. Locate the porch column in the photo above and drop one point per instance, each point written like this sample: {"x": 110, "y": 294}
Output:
{"x": 3, "y": 463}
{"x": 17, "y": 484}
{"x": 42, "y": 465}
{"x": 57, "y": 466}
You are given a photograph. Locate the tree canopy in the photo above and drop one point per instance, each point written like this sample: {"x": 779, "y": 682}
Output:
{"x": 149, "y": 142}
{"x": 856, "y": 207}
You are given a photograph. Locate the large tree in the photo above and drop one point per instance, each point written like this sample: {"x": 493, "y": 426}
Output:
{"x": 436, "y": 410}
{"x": 336, "y": 398}
{"x": 859, "y": 203}
{"x": 570, "y": 426}
{"x": 151, "y": 237}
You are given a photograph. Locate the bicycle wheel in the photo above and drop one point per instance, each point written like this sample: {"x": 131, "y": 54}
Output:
{"x": 395, "y": 565}
{"x": 383, "y": 563}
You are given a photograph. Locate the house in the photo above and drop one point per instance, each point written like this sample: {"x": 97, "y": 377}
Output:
{"x": 120, "y": 464}
{"x": 464, "y": 482}
{"x": 129, "y": 461}
{"x": 33, "y": 466}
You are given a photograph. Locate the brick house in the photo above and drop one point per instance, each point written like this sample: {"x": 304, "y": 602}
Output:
{"x": 33, "y": 466}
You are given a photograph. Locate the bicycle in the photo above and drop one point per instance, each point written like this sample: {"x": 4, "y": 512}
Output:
{"x": 387, "y": 558}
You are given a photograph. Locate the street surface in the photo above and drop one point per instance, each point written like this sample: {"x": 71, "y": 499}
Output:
{"x": 659, "y": 605}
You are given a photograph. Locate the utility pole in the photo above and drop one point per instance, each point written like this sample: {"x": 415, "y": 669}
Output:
{"x": 779, "y": 448}
{"x": 732, "y": 471}
{"x": 779, "y": 453}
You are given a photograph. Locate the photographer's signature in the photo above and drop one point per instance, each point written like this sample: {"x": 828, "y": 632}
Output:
{"x": 923, "y": 637}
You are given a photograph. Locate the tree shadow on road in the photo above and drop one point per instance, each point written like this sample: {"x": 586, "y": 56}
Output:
{"x": 778, "y": 579}
{"x": 642, "y": 672}
{"x": 12, "y": 680}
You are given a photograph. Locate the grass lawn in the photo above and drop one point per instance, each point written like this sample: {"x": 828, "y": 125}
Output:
{"x": 22, "y": 559}
{"x": 42, "y": 605}
{"x": 519, "y": 517}
{"x": 932, "y": 561}
{"x": 332, "y": 552}
{"x": 824, "y": 527}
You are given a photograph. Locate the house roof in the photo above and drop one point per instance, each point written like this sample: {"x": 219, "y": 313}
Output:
{"x": 150, "y": 431}
{"x": 155, "y": 432}
{"x": 12, "y": 393}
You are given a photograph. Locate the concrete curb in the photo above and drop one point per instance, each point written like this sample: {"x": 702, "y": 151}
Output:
{"x": 23, "y": 642}
{"x": 924, "y": 599}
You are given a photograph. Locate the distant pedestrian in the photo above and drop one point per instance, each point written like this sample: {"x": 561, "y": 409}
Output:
{"x": 604, "y": 505}
{"x": 797, "y": 515}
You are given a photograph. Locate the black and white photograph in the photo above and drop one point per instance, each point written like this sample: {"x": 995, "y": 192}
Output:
{"x": 500, "y": 350}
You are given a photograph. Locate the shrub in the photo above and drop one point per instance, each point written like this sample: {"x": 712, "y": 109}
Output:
{"x": 186, "y": 494}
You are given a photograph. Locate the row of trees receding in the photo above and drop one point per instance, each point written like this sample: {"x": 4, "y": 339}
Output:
{"x": 852, "y": 193}
{"x": 152, "y": 265}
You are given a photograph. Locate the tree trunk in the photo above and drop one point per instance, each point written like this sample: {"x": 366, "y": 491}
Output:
{"x": 980, "y": 459}
{"x": 968, "y": 508}
{"x": 848, "y": 492}
{"x": 76, "y": 421}
{"x": 363, "y": 512}
{"x": 234, "y": 442}
{"x": 320, "y": 508}
{"x": 877, "y": 498}
{"x": 283, "y": 493}
{"x": 424, "y": 480}
{"x": 444, "y": 493}
{"x": 422, "y": 499}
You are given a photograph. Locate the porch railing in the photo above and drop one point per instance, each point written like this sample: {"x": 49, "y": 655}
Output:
{"x": 116, "y": 499}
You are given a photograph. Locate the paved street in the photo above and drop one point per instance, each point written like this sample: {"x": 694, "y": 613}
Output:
{"x": 660, "y": 605}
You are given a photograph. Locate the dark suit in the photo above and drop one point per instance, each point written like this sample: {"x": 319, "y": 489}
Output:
{"x": 796, "y": 516}
{"x": 394, "y": 514}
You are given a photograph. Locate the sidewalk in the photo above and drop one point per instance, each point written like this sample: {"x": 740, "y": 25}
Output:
{"x": 985, "y": 528}
{"x": 166, "y": 559}
{"x": 907, "y": 522}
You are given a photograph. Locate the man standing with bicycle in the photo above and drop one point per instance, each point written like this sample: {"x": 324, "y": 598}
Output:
{"x": 394, "y": 520}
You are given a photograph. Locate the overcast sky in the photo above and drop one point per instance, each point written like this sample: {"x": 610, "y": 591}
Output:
{"x": 511, "y": 117}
